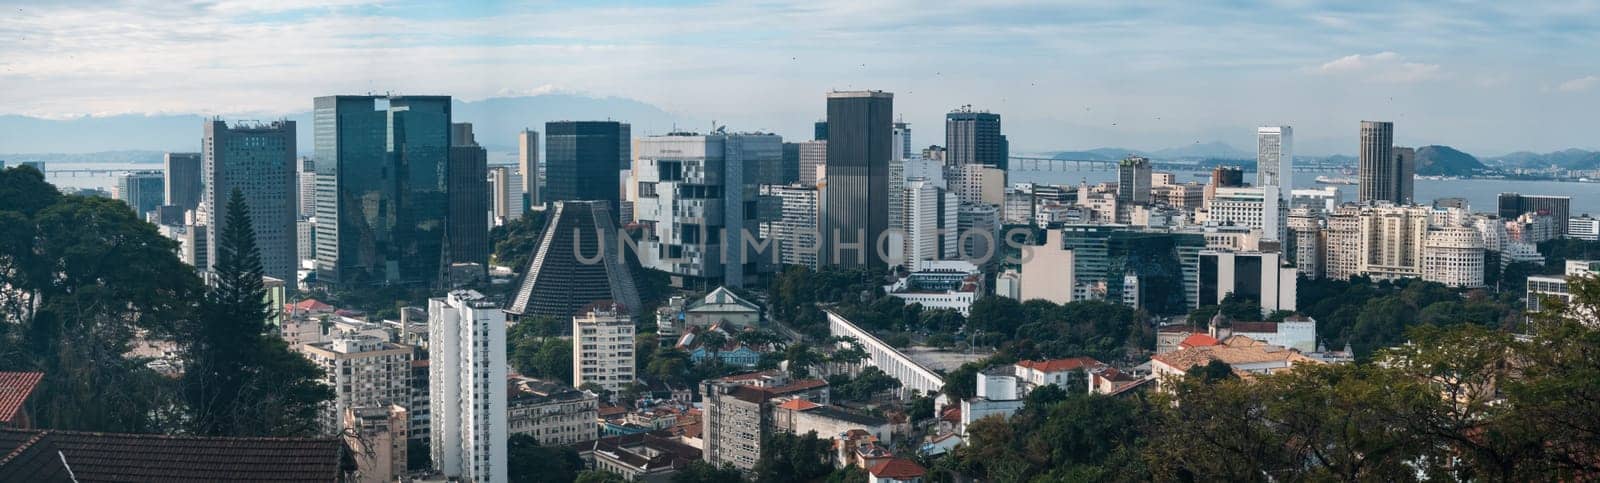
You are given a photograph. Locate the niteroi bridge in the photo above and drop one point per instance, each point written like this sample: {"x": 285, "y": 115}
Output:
{"x": 1040, "y": 163}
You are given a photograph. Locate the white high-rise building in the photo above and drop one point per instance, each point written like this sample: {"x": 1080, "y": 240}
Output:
{"x": 467, "y": 386}
{"x": 901, "y": 142}
{"x": 1275, "y": 175}
{"x": 794, "y": 230}
{"x": 602, "y": 346}
{"x": 1255, "y": 207}
{"x": 930, "y": 221}
{"x": 505, "y": 188}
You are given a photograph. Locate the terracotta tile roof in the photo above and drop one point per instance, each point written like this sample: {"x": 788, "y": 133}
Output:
{"x": 898, "y": 468}
{"x": 1058, "y": 365}
{"x": 607, "y": 410}
{"x": 1198, "y": 340}
{"x": 1256, "y": 327}
{"x": 311, "y": 305}
{"x": 799, "y": 405}
{"x": 1236, "y": 350}
{"x": 38, "y": 455}
{"x": 14, "y": 390}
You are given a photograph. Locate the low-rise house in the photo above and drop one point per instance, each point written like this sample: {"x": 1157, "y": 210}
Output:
{"x": 896, "y": 470}
{"x": 939, "y": 284}
{"x": 646, "y": 457}
{"x": 15, "y": 388}
{"x": 800, "y": 416}
{"x": 722, "y": 306}
{"x": 1246, "y": 356}
{"x": 1297, "y": 332}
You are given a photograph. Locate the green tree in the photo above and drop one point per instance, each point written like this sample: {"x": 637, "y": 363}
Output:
{"x": 703, "y": 472}
{"x": 239, "y": 380}
{"x": 515, "y": 242}
{"x": 527, "y": 461}
{"x": 79, "y": 276}
{"x": 788, "y": 457}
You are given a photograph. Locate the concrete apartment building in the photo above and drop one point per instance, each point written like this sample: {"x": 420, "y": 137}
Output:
{"x": 363, "y": 371}
{"x": 467, "y": 387}
{"x": 602, "y": 346}
{"x": 738, "y": 413}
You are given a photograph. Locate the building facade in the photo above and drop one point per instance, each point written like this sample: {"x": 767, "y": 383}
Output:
{"x": 602, "y": 346}
{"x": 1379, "y": 171}
{"x": 1255, "y": 276}
{"x": 363, "y": 372}
{"x": 467, "y": 233}
{"x": 526, "y": 194}
{"x": 467, "y": 387}
{"x": 584, "y": 160}
{"x": 382, "y": 188}
{"x": 855, "y": 211}
{"x": 185, "y": 178}
{"x": 698, "y": 197}
{"x": 1514, "y": 205}
{"x": 793, "y": 229}
{"x": 579, "y": 260}
{"x": 1453, "y": 255}
{"x": 259, "y": 161}
{"x": 143, "y": 191}
{"x": 551, "y": 412}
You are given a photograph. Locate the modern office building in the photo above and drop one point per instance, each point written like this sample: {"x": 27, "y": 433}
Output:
{"x": 1514, "y": 205}
{"x": 306, "y": 181}
{"x": 185, "y": 178}
{"x": 467, "y": 387}
{"x": 258, "y": 159}
{"x": 813, "y": 160}
{"x": 900, "y": 139}
{"x": 1256, "y": 276}
{"x": 584, "y": 161}
{"x": 1164, "y": 263}
{"x": 1583, "y": 228}
{"x": 1133, "y": 181}
{"x": 1541, "y": 287}
{"x": 1258, "y": 208}
{"x": 1275, "y": 157}
{"x": 697, "y": 196}
{"x": 930, "y": 222}
{"x": 527, "y": 192}
{"x": 973, "y": 137}
{"x": 1405, "y": 162}
{"x": 505, "y": 188}
{"x": 143, "y": 191}
{"x": 362, "y": 371}
{"x": 1308, "y": 242}
{"x": 855, "y": 209}
{"x": 794, "y": 227}
{"x": 789, "y": 169}
{"x": 1223, "y": 177}
{"x": 819, "y": 131}
{"x": 1048, "y": 271}
{"x": 602, "y": 346}
{"x": 978, "y": 237}
{"x": 382, "y": 188}
{"x": 1379, "y": 168}
{"x": 579, "y": 260}
{"x": 467, "y": 186}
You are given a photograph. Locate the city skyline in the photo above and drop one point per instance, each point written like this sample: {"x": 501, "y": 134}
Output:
{"x": 1076, "y": 76}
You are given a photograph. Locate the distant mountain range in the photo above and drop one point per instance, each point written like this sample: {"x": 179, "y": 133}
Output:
{"x": 496, "y": 122}
{"x": 1446, "y": 161}
{"x": 1569, "y": 159}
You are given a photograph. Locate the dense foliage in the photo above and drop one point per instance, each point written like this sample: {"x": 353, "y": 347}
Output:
{"x": 527, "y": 461}
{"x": 1460, "y": 401}
{"x": 1373, "y": 315}
{"x": 514, "y": 242}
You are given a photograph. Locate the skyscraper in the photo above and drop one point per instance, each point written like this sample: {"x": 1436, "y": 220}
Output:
{"x": 902, "y": 141}
{"x": 793, "y": 229}
{"x": 505, "y": 186}
{"x": 855, "y": 208}
{"x": 258, "y": 159}
{"x": 1405, "y": 163}
{"x": 1513, "y": 205}
{"x": 819, "y": 131}
{"x": 974, "y": 138}
{"x": 584, "y": 161}
{"x": 143, "y": 191}
{"x": 185, "y": 178}
{"x": 1379, "y": 169}
{"x": 467, "y": 387}
{"x": 381, "y": 188}
{"x": 306, "y": 180}
{"x": 579, "y": 260}
{"x": 698, "y": 194}
{"x": 468, "y": 189}
{"x": 1275, "y": 157}
{"x": 1275, "y": 176}
{"x": 528, "y": 162}
{"x": 813, "y": 161}
{"x": 789, "y": 170}
{"x": 1133, "y": 181}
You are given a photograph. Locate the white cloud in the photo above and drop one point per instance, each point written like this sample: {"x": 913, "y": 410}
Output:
{"x": 1579, "y": 85}
{"x": 1388, "y": 67}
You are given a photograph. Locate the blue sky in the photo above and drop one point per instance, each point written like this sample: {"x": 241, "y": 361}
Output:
{"x": 1489, "y": 77}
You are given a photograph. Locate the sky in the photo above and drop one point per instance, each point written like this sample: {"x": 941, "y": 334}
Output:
{"x": 1486, "y": 77}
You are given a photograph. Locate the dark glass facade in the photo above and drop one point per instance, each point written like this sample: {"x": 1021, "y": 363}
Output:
{"x": 1167, "y": 264}
{"x": 1513, "y": 205}
{"x": 584, "y": 160}
{"x": 819, "y": 131}
{"x": 856, "y": 194}
{"x": 382, "y": 193}
{"x": 469, "y": 199}
{"x": 974, "y": 138}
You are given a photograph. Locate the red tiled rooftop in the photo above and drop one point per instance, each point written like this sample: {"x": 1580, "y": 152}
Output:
{"x": 799, "y": 405}
{"x": 1256, "y": 327}
{"x": 898, "y": 468}
{"x": 14, "y": 390}
{"x": 1058, "y": 365}
{"x": 1199, "y": 340}
{"x": 310, "y": 305}
{"x": 38, "y": 456}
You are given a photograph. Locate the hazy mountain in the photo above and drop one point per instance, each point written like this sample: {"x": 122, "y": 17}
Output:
{"x": 1446, "y": 161}
{"x": 1198, "y": 150}
{"x": 1570, "y": 159}
{"x": 496, "y": 122}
